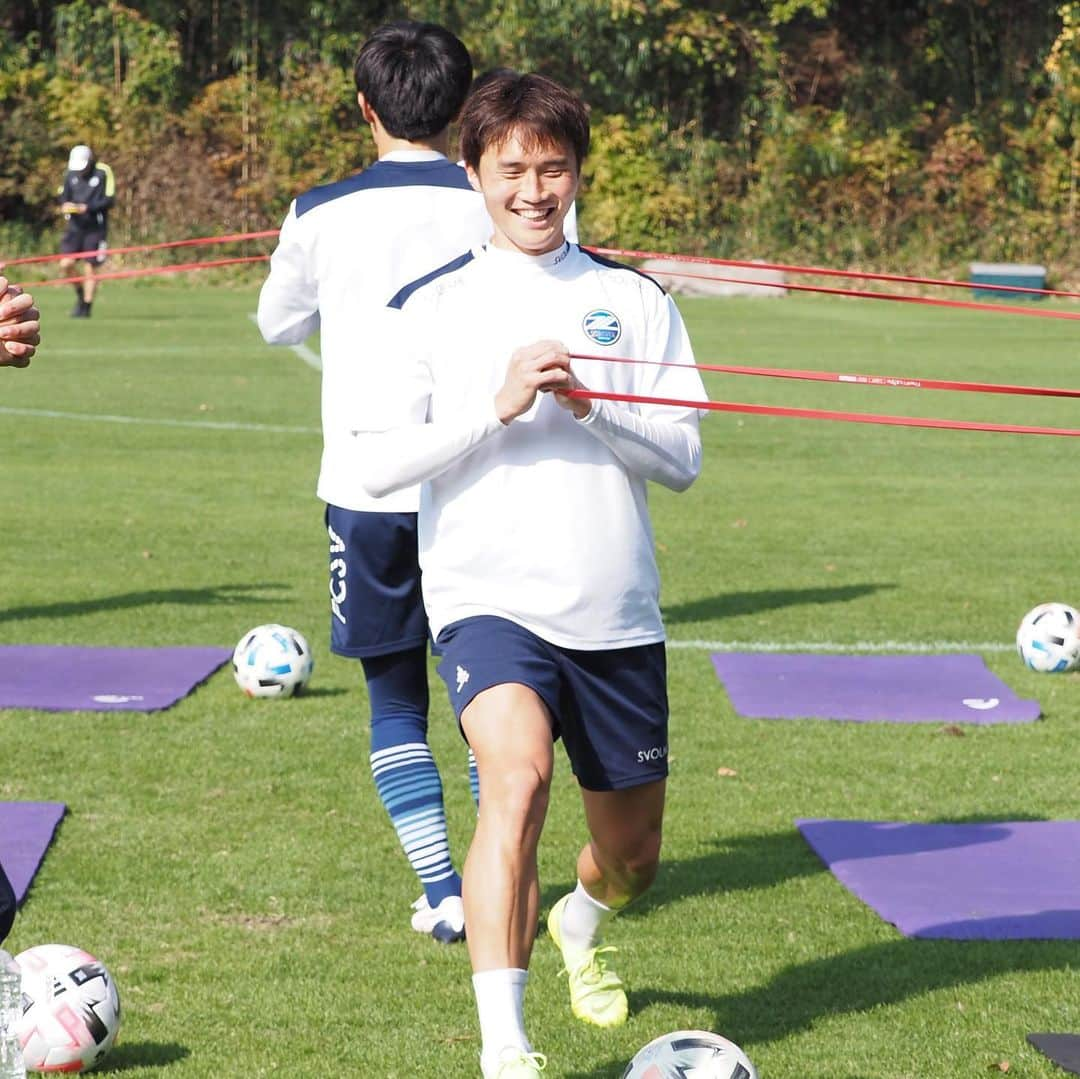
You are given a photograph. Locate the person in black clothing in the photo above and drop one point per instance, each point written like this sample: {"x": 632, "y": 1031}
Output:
{"x": 7, "y": 905}
{"x": 86, "y": 196}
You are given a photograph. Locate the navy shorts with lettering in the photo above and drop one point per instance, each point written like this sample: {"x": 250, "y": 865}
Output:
{"x": 375, "y": 601}
{"x": 609, "y": 707}
{"x": 77, "y": 239}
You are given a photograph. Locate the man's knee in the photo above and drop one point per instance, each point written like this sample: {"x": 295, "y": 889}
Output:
{"x": 517, "y": 794}
{"x": 509, "y": 730}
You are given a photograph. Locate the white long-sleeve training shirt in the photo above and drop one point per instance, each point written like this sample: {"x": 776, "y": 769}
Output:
{"x": 343, "y": 251}
{"x": 543, "y": 521}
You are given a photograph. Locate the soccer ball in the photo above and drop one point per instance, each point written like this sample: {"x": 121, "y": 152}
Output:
{"x": 71, "y": 1010}
{"x": 697, "y": 1053}
{"x": 272, "y": 661}
{"x": 1048, "y": 639}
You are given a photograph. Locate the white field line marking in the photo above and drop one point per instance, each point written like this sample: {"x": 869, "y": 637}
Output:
{"x": 911, "y": 647}
{"x": 144, "y": 421}
{"x": 147, "y": 350}
{"x": 312, "y": 359}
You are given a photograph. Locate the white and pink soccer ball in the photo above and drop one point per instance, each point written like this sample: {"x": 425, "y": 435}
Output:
{"x": 699, "y": 1053}
{"x": 71, "y": 1010}
{"x": 1048, "y": 638}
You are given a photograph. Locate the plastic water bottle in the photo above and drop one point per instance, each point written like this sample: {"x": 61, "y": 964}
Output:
{"x": 11, "y": 1058}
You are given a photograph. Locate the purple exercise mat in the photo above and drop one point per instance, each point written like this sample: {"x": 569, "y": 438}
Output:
{"x": 1003, "y": 881}
{"x": 26, "y": 830}
{"x": 62, "y": 678}
{"x": 1062, "y": 1049}
{"x": 896, "y": 689}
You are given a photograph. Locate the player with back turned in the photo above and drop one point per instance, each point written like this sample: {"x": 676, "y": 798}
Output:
{"x": 344, "y": 250}
{"x": 539, "y": 573}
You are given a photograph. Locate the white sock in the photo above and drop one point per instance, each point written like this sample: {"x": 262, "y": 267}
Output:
{"x": 583, "y": 920}
{"x": 500, "y": 1003}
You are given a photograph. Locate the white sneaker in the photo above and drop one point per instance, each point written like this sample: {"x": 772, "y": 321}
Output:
{"x": 446, "y": 922}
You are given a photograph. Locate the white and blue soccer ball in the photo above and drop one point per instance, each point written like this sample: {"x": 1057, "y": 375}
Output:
{"x": 272, "y": 661}
{"x": 1048, "y": 639}
{"x": 71, "y": 1009}
{"x": 690, "y": 1053}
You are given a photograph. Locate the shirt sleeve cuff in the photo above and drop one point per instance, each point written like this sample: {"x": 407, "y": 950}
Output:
{"x": 594, "y": 411}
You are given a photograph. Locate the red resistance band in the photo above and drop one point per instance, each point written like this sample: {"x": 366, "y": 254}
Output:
{"x": 821, "y": 271}
{"x": 894, "y": 381}
{"x": 820, "y": 414}
{"x": 965, "y": 305}
{"x": 181, "y": 267}
{"x": 236, "y": 237}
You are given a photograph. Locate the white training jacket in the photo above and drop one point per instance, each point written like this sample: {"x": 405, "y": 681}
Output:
{"x": 543, "y": 521}
{"x": 343, "y": 251}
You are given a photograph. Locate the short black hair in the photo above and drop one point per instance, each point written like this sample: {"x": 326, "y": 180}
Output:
{"x": 415, "y": 75}
{"x": 538, "y": 109}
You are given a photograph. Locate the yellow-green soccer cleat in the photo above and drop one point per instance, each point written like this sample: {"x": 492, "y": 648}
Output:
{"x": 597, "y": 995}
{"x": 513, "y": 1063}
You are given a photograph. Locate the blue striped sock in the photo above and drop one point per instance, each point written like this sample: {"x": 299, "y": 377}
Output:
{"x": 411, "y": 791}
{"x": 474, "y": 780}
{"x": 404, "y": 770}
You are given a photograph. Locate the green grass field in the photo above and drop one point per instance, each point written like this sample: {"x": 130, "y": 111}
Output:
{"x": 229, "y": 860}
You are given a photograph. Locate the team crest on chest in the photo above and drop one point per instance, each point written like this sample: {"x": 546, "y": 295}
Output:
{"x": 602, "y": 326}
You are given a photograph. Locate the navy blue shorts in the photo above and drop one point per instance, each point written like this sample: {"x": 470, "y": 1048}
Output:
{"x": 610, "y": 708}
{"x": 375, "y": 601}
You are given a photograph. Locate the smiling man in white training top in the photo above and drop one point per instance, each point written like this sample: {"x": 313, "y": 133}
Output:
{"x": 536, "y": 547}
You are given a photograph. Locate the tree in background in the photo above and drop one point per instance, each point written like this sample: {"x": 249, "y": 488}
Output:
{"x": 845, "y": 131}
{"x": 1063, "y": 67}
